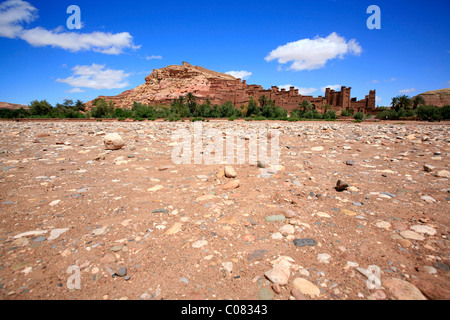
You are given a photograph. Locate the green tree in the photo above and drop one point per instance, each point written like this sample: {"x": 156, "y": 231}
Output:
{"x": 80, "y": 105}
{"x": 418, "y": 101}
{"x": 253, "y": 108}
{"x": 305, "y": 106}
{"x": 40, "y": 108}
{"x": 402, "y": 101}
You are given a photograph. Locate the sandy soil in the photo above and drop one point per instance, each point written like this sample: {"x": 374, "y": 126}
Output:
{"x": 181, "y": 235}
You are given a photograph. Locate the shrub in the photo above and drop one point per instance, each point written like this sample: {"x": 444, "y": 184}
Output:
{"x": 359, "y": 116}
{"x": 347, "y": 113}
{"x": 330, "y": 115}
{"x": 429, "y": 112}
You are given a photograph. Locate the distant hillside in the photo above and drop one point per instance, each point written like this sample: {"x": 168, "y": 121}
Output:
{"x": 438, "y": 98}
{"x": 12, "y": 106}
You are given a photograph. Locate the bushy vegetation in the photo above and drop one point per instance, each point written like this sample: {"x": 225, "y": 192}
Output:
{"x": 402, "y": 107}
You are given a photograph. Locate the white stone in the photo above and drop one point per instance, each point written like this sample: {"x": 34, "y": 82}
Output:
{"x": 55, "y": 233}
{"x": 113, "y": 141}
{"x": 199, "y": 243}
{"x": 424, "y": 229}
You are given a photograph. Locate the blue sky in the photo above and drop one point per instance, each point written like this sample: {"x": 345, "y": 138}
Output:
{"x": 307, "y": 44}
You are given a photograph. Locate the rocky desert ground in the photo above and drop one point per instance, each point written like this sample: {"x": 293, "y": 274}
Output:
{"x": 82, "y": 222}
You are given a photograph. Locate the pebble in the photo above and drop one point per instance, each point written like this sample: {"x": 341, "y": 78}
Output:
{"x": 199, "y": 244}
{"x": 230, "y": 172}
{"x": 304, "y": 242}
{"x": 256, "y": 255}
{"x": 408, "y": 234}
{"x": 122, "y": 272}
{"x": 424, "y": 229}
{"x": 287, "y": 229}
{"x": 113, "y": 141}
{"x": 265, "y": 294}
{"x": 160, "y": 211}
{"x": 324, "y": 257}
{"x": 275, "y": 218}
{"x": 443, "y": 174}
{"x": 306, "y": 287}
{"x": 55, "y": 233}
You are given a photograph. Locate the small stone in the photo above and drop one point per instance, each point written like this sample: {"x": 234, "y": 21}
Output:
{"x": 40, "y": 239}
{"x": 319, "y": 148}
{"x": 122, "y": 272}
{"x": 116, "y": 248}
{"x": 55, "y": 233}
{"x": 405, "y": 243}
{"x": 232, "y": 185}
{"x": 261, "y": 164}
{"x": 408, "y": 234}
{"x": 430, "y": 270}
{"x": 428, "y": 168}
{"x": 305, "y": 287}
{"x": 288, "y": 213}
{"x": 184, "y": 279}
{"x": 341, "y": 186}
{"x": 348, "y": 212}
{"x": 443, "y": 174}
{"x": 297, "y": 294}
{"x": 199, "y": 243}
{"x": 276, "y": 288}
{"x": 323, "y": 215}
{"x": 441, "y": 266}
{"x": 175, "y": 228}
{"x": 230, "y": 172}
{"x": 256, "y": 255}
{"x": 265, "y": 294}
{"x": 277, "y": 236}
{"x": 424, "y": 229}
{"x": 304, "y": 242}
{"x": 428, "y": 199}
{"x": 278, "y": 275}
{"x": 113, "y": 141}
{"x": 349, "y": 162}
{"x": 287, "y": 229}
{"x": 160, "y": 211}
{"x": 383, "y": 225}
{"x": 275, "y": 218}
{"x": 324, "y": 257}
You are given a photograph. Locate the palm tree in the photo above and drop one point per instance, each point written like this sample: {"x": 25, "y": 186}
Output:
{"x": 262, "y": 101}
{"x": 394, "y": 103}
{"x": 404, "y": 102}
{"x": 305, "y": 105}
{"x": 418, "y": 101}
{"x": 325, "y": 108}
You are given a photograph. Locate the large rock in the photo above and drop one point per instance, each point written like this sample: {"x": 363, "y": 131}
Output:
{"x": 113, "y": 141}
{"x": 403, "y": 290}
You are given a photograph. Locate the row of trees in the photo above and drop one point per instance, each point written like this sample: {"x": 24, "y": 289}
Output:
{"x": 187, "y": 107}
{"x": 403, "y": 106}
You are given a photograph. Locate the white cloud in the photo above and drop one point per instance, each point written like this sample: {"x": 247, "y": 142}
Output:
{"x": 307, "y": 54}
{"x": 106, "y": 43}
{"x": 96, "y": 77}
{"x": 153, "y": 57}
{"x": 374, "y": 81}
{"x": 239, "y": 74}
{"x": 334, "y": 87}
{"x": 75, "y": 90}
{"x": 14, "y": 13}
{"x": 302, "y": 91}
{"x": 378, "y": 99}
{"x": 405, "y": 91}
{"x": 391, "y": 80}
